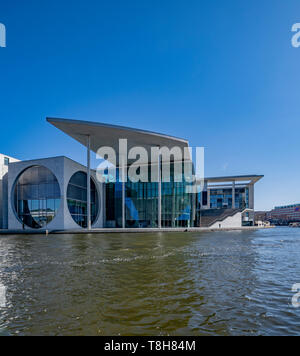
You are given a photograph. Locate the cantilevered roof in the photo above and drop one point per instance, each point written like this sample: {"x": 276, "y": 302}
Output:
{"x": 252, "y": 178}
{"x": 109, "y": 135}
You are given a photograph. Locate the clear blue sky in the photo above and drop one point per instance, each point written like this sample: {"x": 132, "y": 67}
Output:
{"x": 222, "y": 74}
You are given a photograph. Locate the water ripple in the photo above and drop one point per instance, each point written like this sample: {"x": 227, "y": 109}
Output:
{"x": 222, "y": 283}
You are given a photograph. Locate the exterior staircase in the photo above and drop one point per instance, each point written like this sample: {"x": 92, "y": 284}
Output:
{"x": 212, "y": 216}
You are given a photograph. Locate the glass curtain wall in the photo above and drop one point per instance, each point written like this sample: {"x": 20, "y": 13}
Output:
{"x": 178, "y": 206}
{"x": 141, "y": 204}
{"x": 222, "y": 198}
{"x": 242, "y": 198}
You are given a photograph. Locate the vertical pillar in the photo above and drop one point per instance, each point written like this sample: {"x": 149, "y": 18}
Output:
{"x": 204, "y": 189}
{"x": 233, "y": 195}
{"x": 159, "y": 190}
{"x": 251, "y": 196}
{"x": 173, "y": 205}
{"x": 123, "y": 193}
{"x": 193, "y": 210}
{"x": 200, "y": 211}
{"x": 208, "y": 198}
{"x": 89, "y": 221}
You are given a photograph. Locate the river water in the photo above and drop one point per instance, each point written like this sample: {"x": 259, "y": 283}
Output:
{"x": 217, "y": 283}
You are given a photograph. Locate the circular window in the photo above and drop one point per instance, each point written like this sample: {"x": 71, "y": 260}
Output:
{"x": 36, "y": 197}
{"x": 77, "y": 199}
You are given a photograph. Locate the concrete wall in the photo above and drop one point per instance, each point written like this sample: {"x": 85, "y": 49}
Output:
{"x": 63, "y": 169}
{"x": 230, "y": 222}
{"x": 70, "y": 168}
{"x": 3, "y": 189}
{"x": 4, "y": 199}
{"x": 251, "y": 196}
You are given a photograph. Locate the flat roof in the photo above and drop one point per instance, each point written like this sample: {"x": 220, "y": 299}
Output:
{"x": 287, "y": 206}
{"x": 108, "y": 135}
{"x": 253, "y": 178}
{"x": 102, "y": 134}
{"x": 4, "y": 155}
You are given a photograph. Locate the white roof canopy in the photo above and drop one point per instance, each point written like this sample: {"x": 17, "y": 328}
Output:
{"x": 108, "y": 135}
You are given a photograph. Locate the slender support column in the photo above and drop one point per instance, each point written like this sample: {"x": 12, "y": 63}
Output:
{"x": 159, "y": 191}
{"x": 193, "y": 212}
{"x": 123, "y": 193}
{"x": 251, "y": 196}
{"x": 200, "y": 211}
{"x": 233, "y": 195}
{"x": 208, "y": 198}
{"x": 173, "y": 205}
{"x": 204, "y": 189}
{"x": 89, "y": 221}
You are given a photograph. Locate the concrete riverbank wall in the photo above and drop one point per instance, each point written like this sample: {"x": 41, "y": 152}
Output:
{"x": 131, "y": 230}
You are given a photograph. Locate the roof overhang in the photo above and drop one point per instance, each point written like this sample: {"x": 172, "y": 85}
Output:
{"x": 109, "y": 135}
{"x": 246, "y": 179}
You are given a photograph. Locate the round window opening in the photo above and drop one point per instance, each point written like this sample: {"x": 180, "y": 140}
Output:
{"x": 77, "y": 199}
{"x": 36, "y": 197}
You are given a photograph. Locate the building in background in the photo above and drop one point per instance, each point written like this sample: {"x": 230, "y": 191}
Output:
{"x": 261, "y": 218}
{"x": 60, "y": 194}
{"x": 284, "y": 215}
{"x": 231, "y": 197}
{"x": 4, "y": 163}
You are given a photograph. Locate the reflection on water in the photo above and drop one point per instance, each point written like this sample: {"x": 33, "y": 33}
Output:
{"x": 223, "y": 283}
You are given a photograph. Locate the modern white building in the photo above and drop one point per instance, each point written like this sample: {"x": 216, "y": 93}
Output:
{"x": 231, "y": 198}
{"x": 59, "y": 194}
{"x": 4, "y": 163}
{"x": 51, "y": 194}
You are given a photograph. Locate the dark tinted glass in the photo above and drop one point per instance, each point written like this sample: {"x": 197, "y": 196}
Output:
{"x": 77, "y": 199}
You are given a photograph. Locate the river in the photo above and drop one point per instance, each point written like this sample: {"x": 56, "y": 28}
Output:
{"x": 215, "y": 283}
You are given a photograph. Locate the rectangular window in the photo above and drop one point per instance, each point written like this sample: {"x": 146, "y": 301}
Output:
{"x": 6, "y": 161}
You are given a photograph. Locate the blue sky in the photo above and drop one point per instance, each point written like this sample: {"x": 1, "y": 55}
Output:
{"x": 222, "y": 74}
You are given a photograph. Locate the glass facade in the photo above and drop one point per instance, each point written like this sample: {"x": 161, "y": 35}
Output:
{"x": 178, "y": 207}
{"x": 141, "y": 204}
{"x": 222, "y": 198}
{"x": 37, "y": 197}
{"x": 77, "y": 199}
